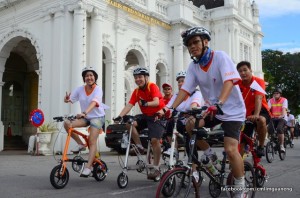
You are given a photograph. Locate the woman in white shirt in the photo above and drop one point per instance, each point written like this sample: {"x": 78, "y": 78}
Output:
{"x": 92, "y": 113}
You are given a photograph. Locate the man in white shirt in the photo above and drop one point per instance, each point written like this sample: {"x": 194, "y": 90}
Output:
{"x": 291, "y": 124}
{"x": 216, "y": 75}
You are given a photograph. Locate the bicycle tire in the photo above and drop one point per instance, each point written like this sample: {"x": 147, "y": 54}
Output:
{"x": 176, "y": 183}
{"x": 269, "y": 152}
{"x": 250, "y": 180}
{"x": 58, "y": 180}
{"x": 282, "y": 155}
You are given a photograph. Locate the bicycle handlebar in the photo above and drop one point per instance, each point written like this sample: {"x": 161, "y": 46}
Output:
{"x": 62, "y": 118}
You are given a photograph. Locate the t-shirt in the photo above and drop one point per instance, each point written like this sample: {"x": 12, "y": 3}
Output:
{"x": 290, "y": 119}
{"x": 167, "y": 100}
{"x": 249, "y": 95}
{"x": 211, "y": 80}
{"x": 148, "y": 94}
{"x": 85, "y": 100}
{"x": 186, "y": 104}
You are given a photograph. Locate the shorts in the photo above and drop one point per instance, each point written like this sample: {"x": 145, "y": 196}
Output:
{"x": 231, "y": 128}
{"x": 276, "y": 124}
{"x": 170, "y": 127}
{"x": 95, "y": 122}
{"x": 249, "y": 127}
{"x": 156, "y": 128}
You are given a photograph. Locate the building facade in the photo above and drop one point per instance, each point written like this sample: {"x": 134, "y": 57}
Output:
{"x": 44, "y": 45}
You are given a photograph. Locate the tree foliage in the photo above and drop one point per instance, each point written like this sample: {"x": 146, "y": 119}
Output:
{"x": 283, "y": 70}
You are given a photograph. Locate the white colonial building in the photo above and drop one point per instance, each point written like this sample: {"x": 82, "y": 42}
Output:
{"x": 44, "y": 44}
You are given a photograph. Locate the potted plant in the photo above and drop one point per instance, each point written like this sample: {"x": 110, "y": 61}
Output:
{"x": 44, "y": 135}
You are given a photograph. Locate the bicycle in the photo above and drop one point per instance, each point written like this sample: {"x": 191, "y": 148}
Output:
{"x": 142, "y": 164}
{"x": 178, "y": 182}
{"x": 273, "y": 146}
{"x": 59, "y": 175}
{"x": 251, "y": 141}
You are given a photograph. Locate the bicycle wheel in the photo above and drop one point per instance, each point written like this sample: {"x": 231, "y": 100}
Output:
{"x": 270, "y": 152}
{"x": 215, "y": 187}
{"x": 250, "y": 181}
{"x": 100, "y": 171}
{"x": 58, "y": 180}
{"x": 176, "y": 183}
{"x": 260, "y": 178}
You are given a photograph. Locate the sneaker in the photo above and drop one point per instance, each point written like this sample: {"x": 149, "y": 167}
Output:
{"x": 260, "y": 151}
{"x": 132, "y": 151}
{"x": 282, "y": 149}
{"x": 78, "y": 148}
{"x": 168, "y": 152}
{"x": 292, "y": 142}
{"x": 154, "y": 174}
{"x": 196, "y": 178}
{"x": 85, "y": 172}
{"x": 239, "y": 194}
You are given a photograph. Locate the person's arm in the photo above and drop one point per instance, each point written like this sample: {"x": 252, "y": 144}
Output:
{"x": 180, "y": 97}
{"x": 153, "y": 103}
{"x": 226, "y": 90}
{"x": 126, "y": 110}
{"x": 90, "y": 107}
{"x": 258, "y": 104}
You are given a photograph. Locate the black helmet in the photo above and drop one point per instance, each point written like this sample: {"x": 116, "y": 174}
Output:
{"x": 86, "y": 69}
{"x": 141, "y": 71}
{"x": 195, "y": 31}
{"x": 277, "y": 90}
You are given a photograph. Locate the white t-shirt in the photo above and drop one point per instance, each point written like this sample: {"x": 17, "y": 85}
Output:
{"x": 186, "y": 105}
{"x": 85, "y": 100}
{"x": 211, "y": 82}
{"x": 290, "y": 119}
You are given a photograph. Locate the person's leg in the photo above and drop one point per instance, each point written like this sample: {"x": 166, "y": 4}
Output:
{"x": 156, "y": 151}
{"x": 280, "y": 133}
{"x": 134, "y": 134}
{"x": 292, "y": 134}
{"x": 261, "y": 128}
{"x": 74, "y": 124}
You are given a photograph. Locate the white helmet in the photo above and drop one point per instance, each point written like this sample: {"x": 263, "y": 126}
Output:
{"x": 89, "y": 68}
{"x": 141, "y": 71}
{"x": 195, "y": 31}
{"x": 180, "y": 75}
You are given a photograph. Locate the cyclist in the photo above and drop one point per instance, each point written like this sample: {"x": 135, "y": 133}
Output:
{"x": 167, "y": 90}
{"x": 291, "y": 124}
{"x": 89, "y": 97}
{"x": 278, "y": 107}
{"x": 257, "y": 109}
{"x": 193, "y": 100}
{"x": 215, "y": 74}
{"x": 150, "y": 100}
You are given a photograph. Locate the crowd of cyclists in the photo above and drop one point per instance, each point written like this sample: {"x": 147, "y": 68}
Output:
{"x": 212, "y": 80}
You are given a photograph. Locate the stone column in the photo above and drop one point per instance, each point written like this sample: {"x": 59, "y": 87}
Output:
{"x": 95, "y": 52}
{"x": 57, "y": 90}
{"x": 178, "y": 60}
{"x": 45, "y": 68}
{"x": 1, "y": 124}
{"x": 78, "y": 52}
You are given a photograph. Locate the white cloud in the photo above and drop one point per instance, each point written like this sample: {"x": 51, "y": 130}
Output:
{"x": 276, "y": 8}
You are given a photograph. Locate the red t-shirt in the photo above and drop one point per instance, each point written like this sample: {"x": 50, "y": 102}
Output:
{"x": 249, "y": 95}
{"x": 166, "y": 100}
{"x": 150, "y": 92}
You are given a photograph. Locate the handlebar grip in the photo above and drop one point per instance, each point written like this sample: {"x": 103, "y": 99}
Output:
{"x": 220, "y": 111}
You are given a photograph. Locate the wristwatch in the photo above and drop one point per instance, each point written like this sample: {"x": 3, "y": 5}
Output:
{"x": 220, "y": 103}
{"x": 84, "y": 113}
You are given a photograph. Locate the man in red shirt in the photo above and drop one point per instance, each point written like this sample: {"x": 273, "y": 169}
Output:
{"x": 257, "y": 109}
{"x": 167, "y": 89}
{"x": 150, "y": 101}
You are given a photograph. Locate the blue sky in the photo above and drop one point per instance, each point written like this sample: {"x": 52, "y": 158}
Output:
{"x": 280, "y": 21}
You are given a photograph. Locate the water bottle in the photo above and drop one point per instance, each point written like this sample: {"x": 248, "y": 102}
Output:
{"x": 124, "y": 141}
{"x": 208, "y": 164}
{"x": 215, "y": 161}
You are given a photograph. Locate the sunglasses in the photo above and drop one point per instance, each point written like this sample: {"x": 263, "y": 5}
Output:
{"x": 167, "y": 88}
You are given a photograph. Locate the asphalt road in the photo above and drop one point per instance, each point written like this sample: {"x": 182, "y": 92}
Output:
{"x": 26, "y": 176}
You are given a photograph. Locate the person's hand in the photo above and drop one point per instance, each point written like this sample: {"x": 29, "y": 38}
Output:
{"x": 67, "y": 98}
{"x": 253, "y": 118}
{"x": 118, "y": 119}
{"x": 143, "y": 103}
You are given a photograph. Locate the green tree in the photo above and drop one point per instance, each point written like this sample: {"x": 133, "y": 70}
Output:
{"x": 283, "y": 70}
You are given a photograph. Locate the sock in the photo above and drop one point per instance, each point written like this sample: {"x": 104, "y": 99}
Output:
{"x": 196, "y": 175}
{"x": 156, "y": 167}
{"x": 140, "y": 146}
{"x": 239, "y": 182}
